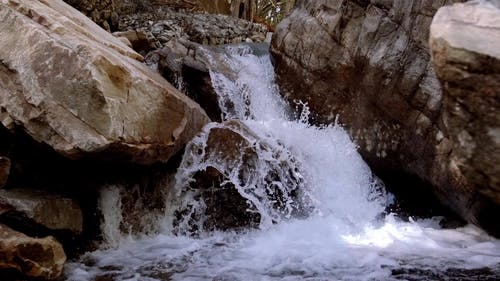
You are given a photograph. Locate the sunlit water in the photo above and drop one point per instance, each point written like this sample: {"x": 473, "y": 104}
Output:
{"x": 346, "y": 236}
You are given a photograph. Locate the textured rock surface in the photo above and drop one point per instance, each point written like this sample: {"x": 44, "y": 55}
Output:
{"x": 107, "y": 12}
{"x": 185, "y": 65}
{"x": 465, "y": 40}
{"x": 166, "y": 24}
{"x": 74, "y": 86}
{"x": 4, "y": 170}
{"x": 220, "y": 176}
{"x": 368, "y": 62}
{"x": 103, "y": 12}
{"x": 33, "y": 257}
{"x": 51, "y": 211}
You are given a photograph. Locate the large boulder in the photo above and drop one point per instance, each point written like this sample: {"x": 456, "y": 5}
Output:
{"x": 465, "y": 40}
{"x": 4, "y": 170}
{"x": 41, "y": 258}
{"x": 41, "y": 208}
{"x": 70, "y": 84}
{"x": 230, "y": 178}
{"x": 369, "y": 64}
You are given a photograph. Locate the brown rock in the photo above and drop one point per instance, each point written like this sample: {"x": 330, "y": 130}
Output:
{"x": 51, "y": 211}
{"x": 88, "y": 95}
{"x": 226, "y": 168}
{"x": 464, "y": 40}
{"x": 33, "y": 257}
{"x": 4, "y": 170}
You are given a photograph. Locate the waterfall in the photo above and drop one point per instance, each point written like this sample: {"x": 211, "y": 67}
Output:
{"x": 329, "y": 223}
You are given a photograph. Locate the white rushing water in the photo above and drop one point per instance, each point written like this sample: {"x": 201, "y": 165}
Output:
{"x": 346, "y": 236}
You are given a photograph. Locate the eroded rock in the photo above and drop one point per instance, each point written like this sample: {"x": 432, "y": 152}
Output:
{"x": 33, "y": 257}
{"x": 75, "y": 87}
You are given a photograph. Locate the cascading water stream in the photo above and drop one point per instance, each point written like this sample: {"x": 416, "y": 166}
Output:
{"x": 344, "y": 236}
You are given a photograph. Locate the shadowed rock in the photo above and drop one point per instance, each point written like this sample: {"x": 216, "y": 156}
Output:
{"x": 4, "y": 170}
{"x": 51, "y": 211}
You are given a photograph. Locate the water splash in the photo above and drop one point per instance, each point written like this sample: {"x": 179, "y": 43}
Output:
{"x": 344, "y": 238}
{"x": 110, "y": 206}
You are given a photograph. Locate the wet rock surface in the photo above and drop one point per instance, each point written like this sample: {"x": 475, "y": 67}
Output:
{"x": 369, "y": 64}
{"x": 224, "y": 187}
{"x": 41, "y": 258}
{"x": 185, "y": 65}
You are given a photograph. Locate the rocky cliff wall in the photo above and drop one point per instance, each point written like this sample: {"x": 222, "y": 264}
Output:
{"x": 368, "y": 63}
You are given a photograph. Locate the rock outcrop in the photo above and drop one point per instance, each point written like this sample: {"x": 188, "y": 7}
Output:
{"x": 50, "y": 211}
{"x": 41, "y": 258}
{"x": 219, "y": 188}
{"x": 185, "y": 65}
{"x": 369, "y": 64}
{"x": 4, "y": 170}
{"x": 464, "y": 41}
{"x": 75, "y": 87}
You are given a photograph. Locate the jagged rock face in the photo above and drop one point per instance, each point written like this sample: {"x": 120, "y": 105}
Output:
{"x": 369, "y": 63}
{"x": 4, "y": 170}
{"x": 75, "y": 87}
{"x": 42, "y": 258}
{"x": 464, "y": 40}
{"x": 50, "y": 211}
